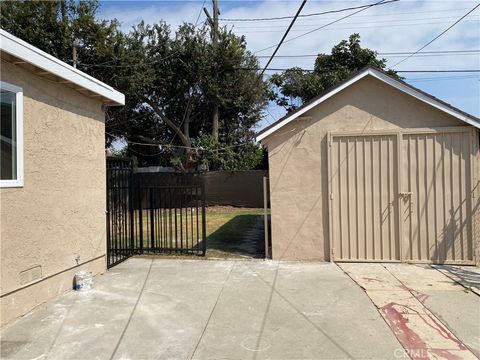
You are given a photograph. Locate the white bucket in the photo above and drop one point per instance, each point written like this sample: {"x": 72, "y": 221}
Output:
{"x": 83, "y": 281}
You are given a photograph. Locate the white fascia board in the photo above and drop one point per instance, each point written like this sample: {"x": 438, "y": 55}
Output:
{"x": 382, "y": 77}
{"x": 22, "y": 50}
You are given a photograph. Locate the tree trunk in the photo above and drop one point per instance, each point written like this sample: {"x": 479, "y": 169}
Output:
{"x": 190, "y": 153}
{"x": 215, "y": 122}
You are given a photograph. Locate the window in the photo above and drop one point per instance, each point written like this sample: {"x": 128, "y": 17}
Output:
{"x": 11, "y": 135}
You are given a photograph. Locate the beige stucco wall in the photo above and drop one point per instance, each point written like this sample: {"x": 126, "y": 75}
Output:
{"x": 476, "y": 202}
{"x": 298, "y": 160}
{"x": 59, "y": 213}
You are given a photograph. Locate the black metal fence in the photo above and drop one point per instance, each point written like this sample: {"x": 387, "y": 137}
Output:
{"x": 145, "y": 218}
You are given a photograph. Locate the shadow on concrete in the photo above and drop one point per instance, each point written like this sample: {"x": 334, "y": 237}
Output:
{"x": 464, "y": 276}
{"x": 242, "y": 236}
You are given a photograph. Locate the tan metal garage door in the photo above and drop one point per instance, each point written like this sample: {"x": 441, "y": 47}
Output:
{"x": 401, "y": 196}
{"x": 364, "y": 195}
{"x": 437, "y": 200}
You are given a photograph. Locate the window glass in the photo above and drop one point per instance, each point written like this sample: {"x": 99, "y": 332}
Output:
{"x": 8, "y": 136}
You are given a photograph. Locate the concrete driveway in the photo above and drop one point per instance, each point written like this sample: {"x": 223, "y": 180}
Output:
{"x": 432, "y": 315}
{"x": 151, "y": 308}
{"x": 180, "y": 309}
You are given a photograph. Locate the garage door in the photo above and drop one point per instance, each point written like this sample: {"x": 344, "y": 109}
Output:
{"x": 402, "y": 196}
{"x": 437, "y": 197}
{"x": 364, "y": 195}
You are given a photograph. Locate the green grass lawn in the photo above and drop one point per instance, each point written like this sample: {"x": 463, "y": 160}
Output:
{"x": 231, "y": 231}
{"x": 234, "y": 232}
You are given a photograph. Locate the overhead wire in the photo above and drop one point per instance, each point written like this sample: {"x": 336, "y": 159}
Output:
{"x": 386, "y": 54}
{"x": 444, "y": 78}
{"x": 387, "y": 21}
{"x": 143, "y": 63}
{"x": 438, "y": 36}
{"x": 360, "y": 16}
{"x": 381, "y": 2}
{"x": 390, "y": 54}
{"x": 284, "y": 36}
{"x": 291, "y": 17}
{"x": 398, "y": 71}
{"x": 356, "y": 28}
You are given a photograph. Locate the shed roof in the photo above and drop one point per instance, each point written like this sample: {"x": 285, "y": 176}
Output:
{"x": 22, "y": 53}
{"x": 382, "y": 76}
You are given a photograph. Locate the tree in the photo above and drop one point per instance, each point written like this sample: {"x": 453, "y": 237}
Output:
{"x": 172, "y": 82}
{"x": 56, "y": 26}
{"x": 296, "y": 86}
{"x": 214, "y": 155}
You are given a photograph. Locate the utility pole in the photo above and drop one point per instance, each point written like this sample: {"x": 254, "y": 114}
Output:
{"x": 76, "y": 44}
{"x": 214, "y": 30}
{"x": 74, "y": 56}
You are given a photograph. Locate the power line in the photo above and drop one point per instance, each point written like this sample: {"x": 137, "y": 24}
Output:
{"x": 388, "y": 22}
{"x": 143, "y": 63}
{"x": 430, "y": 52}
{"x": 444, "y": 78}
{"x": 398, "y": 71}
{"x": 371, "y": 15}
{"x": 284, "y": 36}
{"x": 436, "y": 37}
{"x": 356, "y": 28}
{"x": 166, "y": 146}
{"x": 389, "y": 54}
{"x": 382, "y": 2}
{"x": 290, "y": 17}
{"x": 200, "y": 12}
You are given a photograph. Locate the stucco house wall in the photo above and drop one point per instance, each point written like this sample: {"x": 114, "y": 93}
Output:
{"x": 59, "y": 213}
{"x": 298, "y": 161}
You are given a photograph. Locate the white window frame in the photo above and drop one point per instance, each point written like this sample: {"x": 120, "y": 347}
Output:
{"x": 18, "y": 182}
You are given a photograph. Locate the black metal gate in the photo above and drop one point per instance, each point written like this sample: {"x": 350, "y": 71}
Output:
{"x": 142, "y": 218}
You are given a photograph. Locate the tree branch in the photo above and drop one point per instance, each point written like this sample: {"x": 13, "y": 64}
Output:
{"x": 184, "y": 138}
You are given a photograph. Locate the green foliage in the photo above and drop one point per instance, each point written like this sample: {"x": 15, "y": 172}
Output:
{"x": 54, "y": 27}
{"x": 170, "y": 79}
{"x": 123, "y": 152}
{"x": 295, "y": 86}
{"x": 214, "y": 155}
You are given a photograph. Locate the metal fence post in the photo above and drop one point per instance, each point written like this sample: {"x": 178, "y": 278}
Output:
{"x": 152, "y": 225}
{"x": 132, "y": 212}
{"x": 265, "y": 215}
{"x": 107, "y": 211}
{"x": 204, "y": 220}
{"x": 140, "y": 216}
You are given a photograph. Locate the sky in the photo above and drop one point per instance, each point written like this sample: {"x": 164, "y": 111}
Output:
{"x": 402, "y": 26}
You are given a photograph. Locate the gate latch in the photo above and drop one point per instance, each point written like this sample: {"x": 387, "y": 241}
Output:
{"x": 406, "y": 193}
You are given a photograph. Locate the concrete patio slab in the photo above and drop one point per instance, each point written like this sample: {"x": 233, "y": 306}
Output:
{"x": 370, "y": 276}
{"x": 150, "y": 308}
{"x": 421, "y": 277}
{"x": 431, "y": 314}
{"x": 460, "y": 312}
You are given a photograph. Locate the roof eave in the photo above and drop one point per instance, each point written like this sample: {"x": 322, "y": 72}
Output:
{"x": 32, "y": 55}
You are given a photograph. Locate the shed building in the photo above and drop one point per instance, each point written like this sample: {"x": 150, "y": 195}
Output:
{"x": 375, "y": 170}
